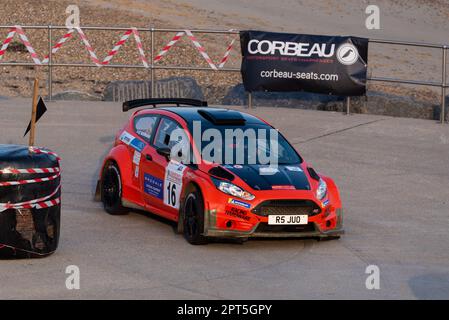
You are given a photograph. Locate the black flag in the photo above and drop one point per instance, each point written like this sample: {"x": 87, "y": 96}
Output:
{"x": 41, "y": 109}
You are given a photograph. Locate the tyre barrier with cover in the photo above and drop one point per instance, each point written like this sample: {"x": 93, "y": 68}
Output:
{"x": 30, "y": 206}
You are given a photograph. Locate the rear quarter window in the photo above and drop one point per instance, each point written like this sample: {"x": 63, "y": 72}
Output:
{"x": 144, "y": 126}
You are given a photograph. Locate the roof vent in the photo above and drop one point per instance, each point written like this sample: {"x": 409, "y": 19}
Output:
{"x": 223, "y": 116}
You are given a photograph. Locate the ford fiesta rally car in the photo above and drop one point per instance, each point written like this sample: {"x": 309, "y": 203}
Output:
{"x": 212, "y": 197}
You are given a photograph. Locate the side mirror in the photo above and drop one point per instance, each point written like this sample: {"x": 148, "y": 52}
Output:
{"x": 165, "y": 151}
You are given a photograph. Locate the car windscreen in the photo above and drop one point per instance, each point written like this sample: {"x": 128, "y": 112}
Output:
{"x": 246, "y": 144}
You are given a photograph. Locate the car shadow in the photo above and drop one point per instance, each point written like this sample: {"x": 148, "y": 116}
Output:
{"x": 433, "y": 286}
{"x": 234, "y": 241}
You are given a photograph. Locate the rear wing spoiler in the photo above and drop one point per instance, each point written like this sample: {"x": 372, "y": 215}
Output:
{"x": 132, "y": 104}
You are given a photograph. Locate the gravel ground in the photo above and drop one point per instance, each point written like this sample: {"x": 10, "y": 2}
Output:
{"x": 414, "y": 20}
{"x": 17, "y": 81}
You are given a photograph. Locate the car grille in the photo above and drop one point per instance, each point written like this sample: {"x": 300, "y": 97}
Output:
{"x": 287, "y": 207}
{"x": 265, "y": 228}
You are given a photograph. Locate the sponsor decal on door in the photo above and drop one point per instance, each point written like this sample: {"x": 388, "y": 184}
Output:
{"x": 173, "y": 183}
{"x": 153, "y": 186}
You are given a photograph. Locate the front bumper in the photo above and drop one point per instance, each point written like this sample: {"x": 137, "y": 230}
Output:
{"x": 251, "y": 224}
{"x": 312, "y": 231}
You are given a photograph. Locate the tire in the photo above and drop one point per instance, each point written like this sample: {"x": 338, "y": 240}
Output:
{"x": 193, "y": 222}
{"x": 111, "y": 190}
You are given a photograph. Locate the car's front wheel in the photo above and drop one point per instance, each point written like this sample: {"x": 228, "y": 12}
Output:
{"x": 111, "y": 190}
{"x": 193, "y": 222}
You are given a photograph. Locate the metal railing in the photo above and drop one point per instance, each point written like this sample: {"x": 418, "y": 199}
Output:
{"x": 153, "y": 67}
{"x": 442, "y": 84}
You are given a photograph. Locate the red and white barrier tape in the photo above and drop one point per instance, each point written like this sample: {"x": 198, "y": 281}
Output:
{"x": 115, "y": 49}
{"x": 89, "y": 48}
{"x": 172, "y": 42}
{"x": 31, "y": 170}
{"x": 226, "y": 55}
{"x": 58, "y": 45}
{"x": 199, "y": 47}
{"x": 34, "y": 170}
{"x": 84, "y": 39}
{"x": 38, "y": 180}
{"x": 201, "y": 50}
{"x": 42, "y": 151}
{"x": 143, "y": 58}
{"x": 46, "y": 204}
{"x": 25, "y": 41}
{"x": 122, "y": 40}
{"x": 7, "y": 41}
{"x": 40, "y": 203}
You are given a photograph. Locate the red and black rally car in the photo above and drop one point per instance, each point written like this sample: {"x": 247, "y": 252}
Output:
{"x": 206, "y": 169}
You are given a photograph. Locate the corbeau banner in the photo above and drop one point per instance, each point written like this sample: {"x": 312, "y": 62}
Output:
{"x": 293, "y": 62}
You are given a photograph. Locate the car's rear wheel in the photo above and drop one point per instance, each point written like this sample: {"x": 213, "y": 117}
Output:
{"x": 193, "y": 222}
{"x": 111, "y": 190}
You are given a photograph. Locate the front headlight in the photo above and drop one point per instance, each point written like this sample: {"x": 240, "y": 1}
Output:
{"x": 322, "y": 190}
{"x": 232, "y": 189}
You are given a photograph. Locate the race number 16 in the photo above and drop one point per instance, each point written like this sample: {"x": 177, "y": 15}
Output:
{"x": 171, "y": 194}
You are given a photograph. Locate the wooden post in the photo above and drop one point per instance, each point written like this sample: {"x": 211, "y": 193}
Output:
{"x": 348, "y": 105}
{"x": 33, "y": 111}
{"x": 250, "y": 100}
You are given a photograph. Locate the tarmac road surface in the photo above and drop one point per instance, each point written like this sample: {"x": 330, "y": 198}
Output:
{"x": 393, "y": 175}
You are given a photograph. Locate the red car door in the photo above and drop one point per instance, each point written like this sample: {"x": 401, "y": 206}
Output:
{"x": 161, "y": 191}
{"x": 144, "y": 127}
